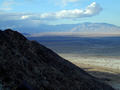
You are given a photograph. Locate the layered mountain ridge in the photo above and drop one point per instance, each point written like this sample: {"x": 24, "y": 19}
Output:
{"x": 28, "y": 64}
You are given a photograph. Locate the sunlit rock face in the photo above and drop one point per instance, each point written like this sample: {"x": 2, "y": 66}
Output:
{"x": 29, "y": 65}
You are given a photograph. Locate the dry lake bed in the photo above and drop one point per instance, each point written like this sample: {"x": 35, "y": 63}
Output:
{"x": 105, "y": 68}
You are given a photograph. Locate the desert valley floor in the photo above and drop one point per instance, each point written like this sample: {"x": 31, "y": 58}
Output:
{"x": 98, "y": 56}
{"x": 105, "y": 68}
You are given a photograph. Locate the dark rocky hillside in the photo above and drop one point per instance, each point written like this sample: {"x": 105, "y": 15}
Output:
{"x": 28, "y": 64}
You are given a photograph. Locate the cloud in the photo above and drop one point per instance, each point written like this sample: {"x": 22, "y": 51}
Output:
{"x": 91, "y": 10}
{"x": 64, "y": 2}
{"x": 15, "y": 20}
{"x": 4, "y": 16}
{"x": 7, "y": 5}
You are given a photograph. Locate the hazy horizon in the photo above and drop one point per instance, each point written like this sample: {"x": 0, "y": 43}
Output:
{"x": 27, "y": 16}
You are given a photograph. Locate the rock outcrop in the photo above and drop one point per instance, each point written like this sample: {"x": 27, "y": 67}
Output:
{"x": 28, "y": 63}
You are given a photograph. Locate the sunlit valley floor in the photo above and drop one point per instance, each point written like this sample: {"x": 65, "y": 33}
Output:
{"x": 99, "y": 56}
{"x": 106, "y": 68}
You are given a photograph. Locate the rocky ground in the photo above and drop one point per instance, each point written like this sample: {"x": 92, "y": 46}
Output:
{"x": 28, "y": 64}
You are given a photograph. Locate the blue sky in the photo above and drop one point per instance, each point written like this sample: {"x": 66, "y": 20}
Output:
{"x": 36, "y": 12}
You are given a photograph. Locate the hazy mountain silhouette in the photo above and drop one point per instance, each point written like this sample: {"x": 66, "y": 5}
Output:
{"x": 82, "y": 27}
{"x": 25, "y": 63}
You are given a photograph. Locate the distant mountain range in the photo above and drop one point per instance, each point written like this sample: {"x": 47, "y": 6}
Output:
{"x": 95, "y": 27}
{"x": 75, "y": 29}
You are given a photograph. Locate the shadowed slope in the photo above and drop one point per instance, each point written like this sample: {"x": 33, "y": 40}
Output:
{"x": 30, "y": 63}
